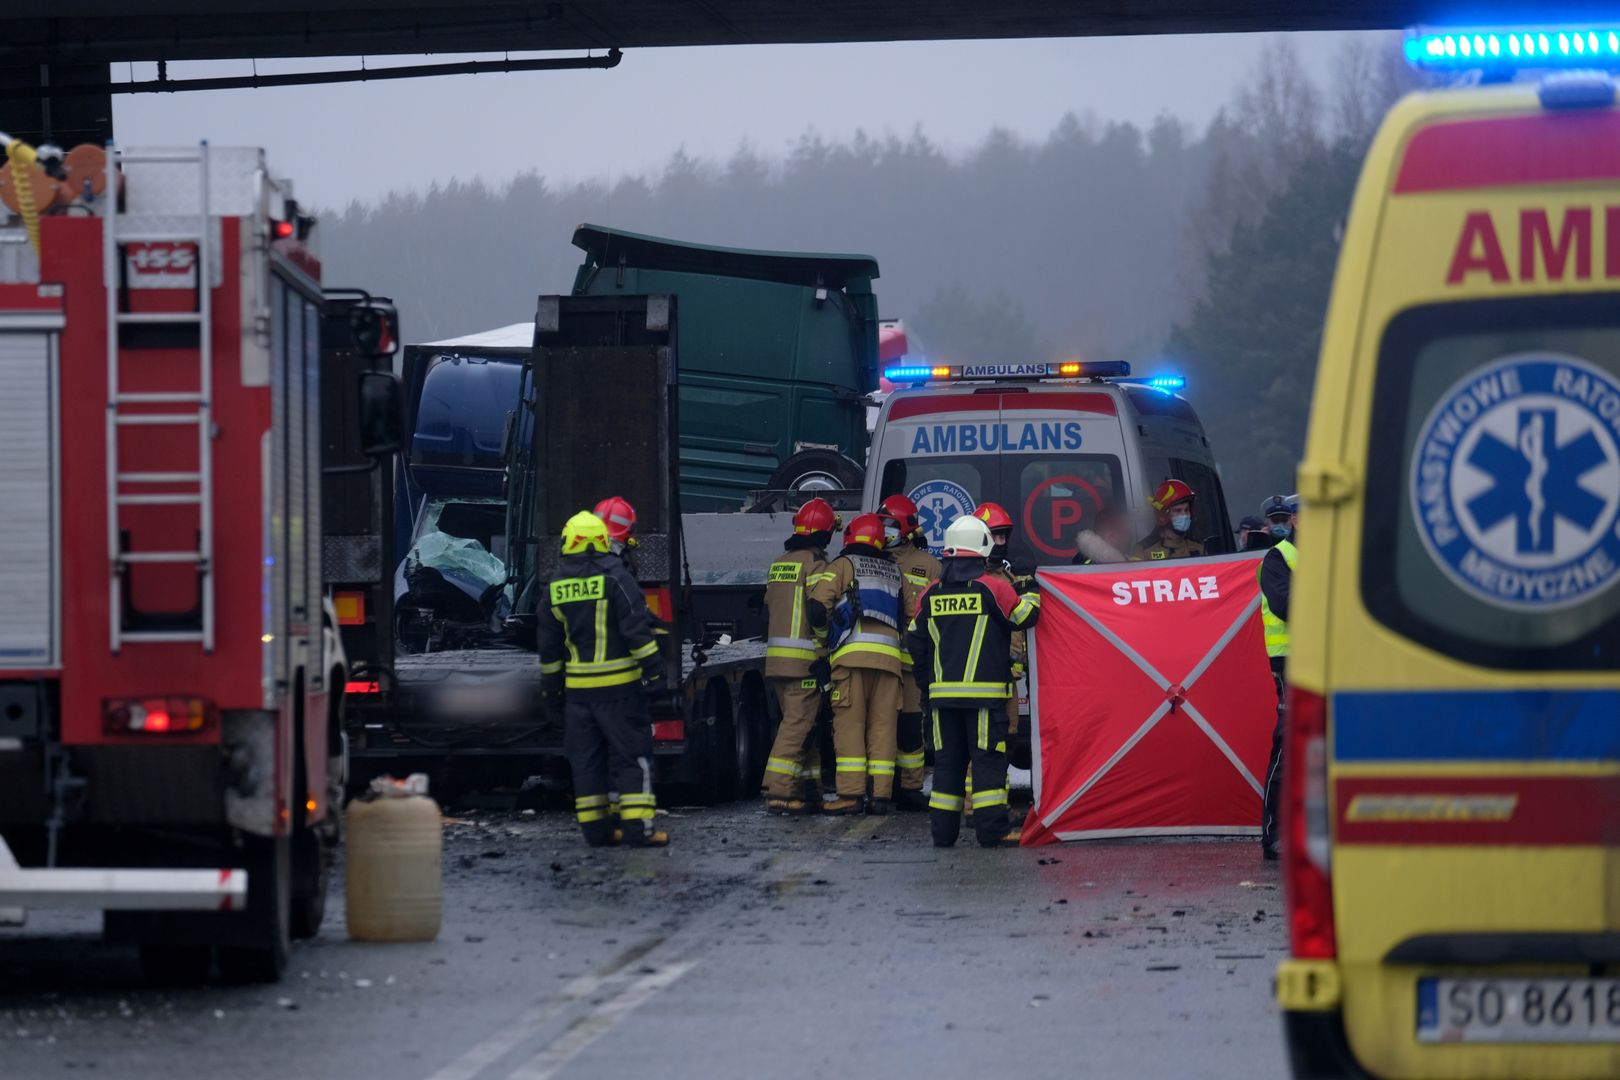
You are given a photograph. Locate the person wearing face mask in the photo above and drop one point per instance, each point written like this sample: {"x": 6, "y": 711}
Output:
{"x": 1276, "y": 584}
{"x": 1172, "y": 505}
{"x": 1254, "y": 535}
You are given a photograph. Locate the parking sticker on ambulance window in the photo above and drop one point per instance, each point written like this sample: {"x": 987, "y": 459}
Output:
{"x": 1515, "y": 482}
{"x": 939, "y": 502}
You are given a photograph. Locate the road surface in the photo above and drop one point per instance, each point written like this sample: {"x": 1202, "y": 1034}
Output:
{"x": 751, "y": 947}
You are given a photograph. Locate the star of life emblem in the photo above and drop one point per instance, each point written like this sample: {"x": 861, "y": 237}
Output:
{"x": 1515, "y": 482}
{"x": 939, "y": 502}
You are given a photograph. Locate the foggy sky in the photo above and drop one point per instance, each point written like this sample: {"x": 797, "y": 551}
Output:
{"x": 358, "y": 141}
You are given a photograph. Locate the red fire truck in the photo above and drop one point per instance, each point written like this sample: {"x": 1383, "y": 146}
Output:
{"x": 170, "y": 674}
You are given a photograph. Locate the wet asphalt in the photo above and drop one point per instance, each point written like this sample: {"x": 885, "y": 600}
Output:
{"x": 751, "y": 947}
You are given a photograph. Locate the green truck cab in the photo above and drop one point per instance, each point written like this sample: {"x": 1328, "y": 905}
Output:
{"x": 778, "y": 352}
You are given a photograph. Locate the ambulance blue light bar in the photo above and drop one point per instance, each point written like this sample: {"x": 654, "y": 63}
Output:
{"x": 1068, "y": 369}
{"x": 1167, "y": 383}
{"x": 1596, "y": 46}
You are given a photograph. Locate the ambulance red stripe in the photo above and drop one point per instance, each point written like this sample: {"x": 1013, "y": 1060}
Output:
{"x": 1547, "y": 149}
{"x": 1024, "y": 402}
{"x": 1487, "y": 810}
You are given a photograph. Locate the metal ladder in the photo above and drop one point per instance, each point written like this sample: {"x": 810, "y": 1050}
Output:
{"x": 192, "y": 408}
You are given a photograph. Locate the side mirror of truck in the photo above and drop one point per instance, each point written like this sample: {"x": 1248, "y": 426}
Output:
{"x": 382, "y": 414}
{"x": 374, "y": 328}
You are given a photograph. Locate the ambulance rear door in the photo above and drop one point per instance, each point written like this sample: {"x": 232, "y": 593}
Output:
{"x": 1471, "y": 532}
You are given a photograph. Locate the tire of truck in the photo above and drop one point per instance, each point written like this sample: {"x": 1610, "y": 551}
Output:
{"x": 710, "y": 748}
{"x": 755, "y": 716}
{"x": 314, "y": 846}
{"x": 176, "y": 965}
{"x": 816, "y": 471}
{"x": 269, "y": 912}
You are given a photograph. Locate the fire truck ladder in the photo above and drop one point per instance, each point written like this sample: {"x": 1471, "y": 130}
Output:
{"x": 187, "y": 408}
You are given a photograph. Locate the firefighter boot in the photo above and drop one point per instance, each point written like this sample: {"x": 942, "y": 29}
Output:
{"x": 790, "y": 807}
{"x": 844, "y": 805}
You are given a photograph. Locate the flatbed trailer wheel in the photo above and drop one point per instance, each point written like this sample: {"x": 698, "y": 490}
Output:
{"x": 269, "y": 914}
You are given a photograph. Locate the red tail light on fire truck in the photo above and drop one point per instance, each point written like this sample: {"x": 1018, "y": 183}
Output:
{"x": 158, "y": 716}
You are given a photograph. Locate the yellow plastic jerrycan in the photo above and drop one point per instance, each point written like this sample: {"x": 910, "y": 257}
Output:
{"x": 394, "y": 889}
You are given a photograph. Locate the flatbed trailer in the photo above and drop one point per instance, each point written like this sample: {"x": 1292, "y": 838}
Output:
{"x": 473, "y": 717}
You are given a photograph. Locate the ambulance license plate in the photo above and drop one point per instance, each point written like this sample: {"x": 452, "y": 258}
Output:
{"x": 1518, "y": 1010}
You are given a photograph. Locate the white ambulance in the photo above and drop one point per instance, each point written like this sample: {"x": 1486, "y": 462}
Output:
{"x": 1052, "y": 443}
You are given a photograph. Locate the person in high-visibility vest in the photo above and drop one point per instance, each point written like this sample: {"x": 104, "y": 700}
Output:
{"x": 1276, "y": 582}
{"x": 796, "y": 662}
{"x": 598, "y": 657}
{"x": 856, "y": 602}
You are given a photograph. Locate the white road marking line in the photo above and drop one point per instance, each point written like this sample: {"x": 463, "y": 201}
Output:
{"x": 593, "y": 1025}
{"x": 525, "y": 1027}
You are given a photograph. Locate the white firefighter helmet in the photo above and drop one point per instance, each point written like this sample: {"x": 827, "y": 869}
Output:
{"x": 967, "y": 536}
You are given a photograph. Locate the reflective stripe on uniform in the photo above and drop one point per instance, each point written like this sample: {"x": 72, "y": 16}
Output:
{"x": 851, "y": 764}
{"x": 988, "y": 690}
{"x": 637, "y": 806}
{"x": 984, "y": 729}
{"x": 585, "y": 817}
{"x": 993, "y": 797}
{"x": 599, "y": 667}
{"x": 910, "y": 761}
{"x": 644, "y": 651}
{"x": 552, "y": 668}
{"x": 938, "y": 800}
{"x": 878, "y": 767}
{"x": 593, "y": 682}
{"x": 1027, "y": 605}
{"x": 585, "y": 802}
{"x": 791, "y": 648}
{"x": 877, "y": 644}
{"x": 816, "y": 579}
{"x": 782, "y": 766}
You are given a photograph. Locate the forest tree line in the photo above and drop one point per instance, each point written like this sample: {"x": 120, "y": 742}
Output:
{"x": 1209, "y": 252}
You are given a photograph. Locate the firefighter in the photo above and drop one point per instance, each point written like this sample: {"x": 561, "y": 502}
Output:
{"x": 620, "y": 518}
{"x": 796, "y": 663}
{"x": 918, "y": 569}
{"x": 1173, "y": 506}
{"x": 1000, "y": 524}
{"x": 597, "y": 658}
{"x": 1276, "y": 583}
{"x": 856, "y": 602}
{"x": 961, "y": 642}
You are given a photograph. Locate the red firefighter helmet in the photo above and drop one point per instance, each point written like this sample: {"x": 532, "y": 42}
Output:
{"x": 1169, "y": 494}
{"x": 902, "y": 511}
{"x": 815, "y": 516}
{"x": 993, "y": 516}
{"x": 865, "y": 529}
{"x": 619, "y": 516}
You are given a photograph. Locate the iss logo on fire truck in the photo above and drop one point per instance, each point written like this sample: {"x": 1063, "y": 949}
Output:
{"x": 1515, "y": 482}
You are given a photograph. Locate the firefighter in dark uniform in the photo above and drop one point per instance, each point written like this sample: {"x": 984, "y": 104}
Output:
{"x": 1000, "y": 524}
{"x": 905, "y": 539}
{"x": 1173, "y": 506}
{"x": 796, "y": 662}
{"x": 856, "y": 603}
{"x": 1276, "y": 583}
{"x": 597, "y": 658}
{"x": 960, "y": 642}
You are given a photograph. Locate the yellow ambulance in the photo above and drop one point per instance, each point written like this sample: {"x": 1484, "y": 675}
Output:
{"x": 1452, "y": 779}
